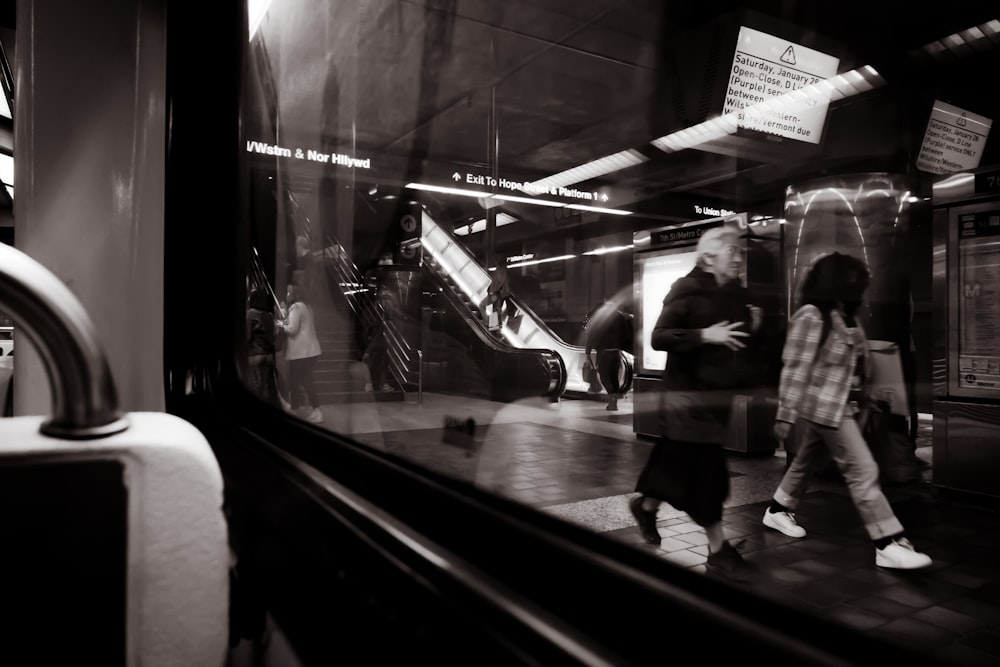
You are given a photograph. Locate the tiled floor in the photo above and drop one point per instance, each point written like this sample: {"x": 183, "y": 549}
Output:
{"x": 576, "y": 460}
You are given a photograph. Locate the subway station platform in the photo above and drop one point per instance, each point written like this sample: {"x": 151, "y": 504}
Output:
{"x": 579, "y": 461}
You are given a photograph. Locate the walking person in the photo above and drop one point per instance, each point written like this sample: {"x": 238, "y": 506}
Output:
{"x": 708, "y": 328}
{"x": 609, "y": 332}
{"x": 826, "y": 365}
{"x": 261, "y": 345}
{"x": 302, "y": 349}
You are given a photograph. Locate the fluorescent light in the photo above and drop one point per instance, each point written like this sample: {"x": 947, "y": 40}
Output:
{"x": 607, "y": 251}
{"x": 528, "y": 200}
{"x": 828, "y": 90}
{"x": 448, "y": 191}
{"x": 592, "y": 169}
{"x": 598, "y": 209}
{"x": 976, "y": 37}
{"x": 540, "y": 261}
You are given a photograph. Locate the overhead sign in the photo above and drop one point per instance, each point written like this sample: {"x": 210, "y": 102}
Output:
{"x": 524, "y": 188}
{"x": 954, "y": 140}
{"x": 765, "y": 68}
{"x": 337, "y": 159}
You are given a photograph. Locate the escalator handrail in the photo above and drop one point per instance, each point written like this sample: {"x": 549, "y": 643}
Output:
{"x": 367, "y": 310}
{"x": 557, "y": 366}
{"x": 521, "y": 305}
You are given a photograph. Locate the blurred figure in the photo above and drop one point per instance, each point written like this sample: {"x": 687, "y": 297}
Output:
{"x": 376, "y": 357}
{"x": 822, "y": 391}
{"x": 497, "y": 294}
{"x": 707, "y": 326}
{"x": 302, "y": 350}
{"x": 609, "y": 332}
{"x": 261, "y": 345}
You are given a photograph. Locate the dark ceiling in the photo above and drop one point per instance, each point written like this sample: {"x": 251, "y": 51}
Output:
{"x": 528, "y": 89}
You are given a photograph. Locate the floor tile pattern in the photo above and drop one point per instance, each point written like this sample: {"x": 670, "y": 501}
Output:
{"x": 579, "y": 461}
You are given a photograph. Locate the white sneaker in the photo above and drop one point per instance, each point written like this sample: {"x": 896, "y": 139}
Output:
{"x": 783, "y": 522}
{"x": 316, "y": 416}
{"x": 900, "y": 555}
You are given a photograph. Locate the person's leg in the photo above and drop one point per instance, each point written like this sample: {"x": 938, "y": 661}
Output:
{"x": 256, "y": 380}
{"x": 861, "y": 474}
{"x": 855, "y": 461}
{"x": 294, "y": 382}
{"x": 780, "y": 515}
{"x": 716, "y": 537}
{"x": 309, "y": 382}
{"x": 607, "y": 370}
{"x": 658, "y": 478}
{"x": 795, "y": 482}
{"x": 708, "y": 494}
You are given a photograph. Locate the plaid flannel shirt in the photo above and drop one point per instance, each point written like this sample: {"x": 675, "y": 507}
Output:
{"x": 815, "y": 380}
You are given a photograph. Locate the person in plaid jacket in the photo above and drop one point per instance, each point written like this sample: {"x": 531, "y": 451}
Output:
{"x": 822, "y": 392}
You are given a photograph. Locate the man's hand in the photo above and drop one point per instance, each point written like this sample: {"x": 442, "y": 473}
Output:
{"x": 722, "y": 333}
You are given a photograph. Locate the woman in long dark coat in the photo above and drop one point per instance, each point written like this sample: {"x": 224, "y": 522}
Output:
{"x": 707, "y": 326}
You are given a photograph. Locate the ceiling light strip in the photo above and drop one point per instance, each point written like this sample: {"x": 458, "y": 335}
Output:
{"x": 598, "y": 209}
{"x": 540, "y": 261}
{"x": 593, "y": 169}
{"x": 832, "y": 89}
{"x": 449, "y": 191}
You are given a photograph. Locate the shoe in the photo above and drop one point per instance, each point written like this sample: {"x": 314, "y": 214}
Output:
{"x": 783, "y": 522}
{"x": 612, "y": 406}
{"x": 900, "y": 555}
{"x": 729, "y": 564}
{"x": 646, "y": 520}
{"x": 316, "y": 416}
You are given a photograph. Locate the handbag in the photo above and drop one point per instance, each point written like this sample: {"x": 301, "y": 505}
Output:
{"x": 888, "y": 438}
{"x": 588, "y": 372}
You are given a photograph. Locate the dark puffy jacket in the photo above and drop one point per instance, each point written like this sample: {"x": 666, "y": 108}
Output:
{"x": 695, "y": 302}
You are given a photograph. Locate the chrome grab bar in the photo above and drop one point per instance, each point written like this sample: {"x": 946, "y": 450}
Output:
{"x": 84, "y": 400}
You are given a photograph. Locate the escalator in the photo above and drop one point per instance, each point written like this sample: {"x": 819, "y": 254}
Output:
{"x": 455, "y": 267}
{"x": 452, "y": 352}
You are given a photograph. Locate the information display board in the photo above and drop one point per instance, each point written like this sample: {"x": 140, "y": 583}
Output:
{"x": 954, "y": 140}
{"x": 766, "y": 67}
{"x": 979, "y": 300}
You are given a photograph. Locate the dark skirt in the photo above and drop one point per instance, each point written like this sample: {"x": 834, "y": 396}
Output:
{"x": 690, "y": 476}
{"x": 696, "y": 415}
{"x": 609, "y": 369}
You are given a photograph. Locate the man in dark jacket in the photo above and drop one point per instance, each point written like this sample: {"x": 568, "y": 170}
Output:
{"x": 609, "y": 332}
{"x": 707, "y": 326}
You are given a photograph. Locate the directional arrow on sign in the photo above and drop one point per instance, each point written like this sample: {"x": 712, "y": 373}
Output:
{"x": 456, "y": 176}
{"x": 604, "y": 197}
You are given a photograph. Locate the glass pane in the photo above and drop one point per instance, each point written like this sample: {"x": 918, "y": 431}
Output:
{"x": 487, "y": 212}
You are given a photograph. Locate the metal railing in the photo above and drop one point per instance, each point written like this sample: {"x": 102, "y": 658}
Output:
{"x": 84, "y": 398}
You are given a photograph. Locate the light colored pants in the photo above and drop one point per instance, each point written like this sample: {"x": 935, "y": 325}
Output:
{"x": 851, "y": 454}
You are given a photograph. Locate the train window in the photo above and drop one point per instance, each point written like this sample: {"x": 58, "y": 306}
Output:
{"x": 465, "y": 219}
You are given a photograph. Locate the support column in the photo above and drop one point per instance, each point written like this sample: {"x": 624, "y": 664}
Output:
{"x": 89, "y": 169}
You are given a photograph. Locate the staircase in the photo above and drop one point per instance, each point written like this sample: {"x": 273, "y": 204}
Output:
{"x": 339, "y": 373}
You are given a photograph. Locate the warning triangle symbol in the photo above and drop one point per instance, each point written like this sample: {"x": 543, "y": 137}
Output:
{"x": 962, "y": 120}
{"x": 788, "y": 56}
